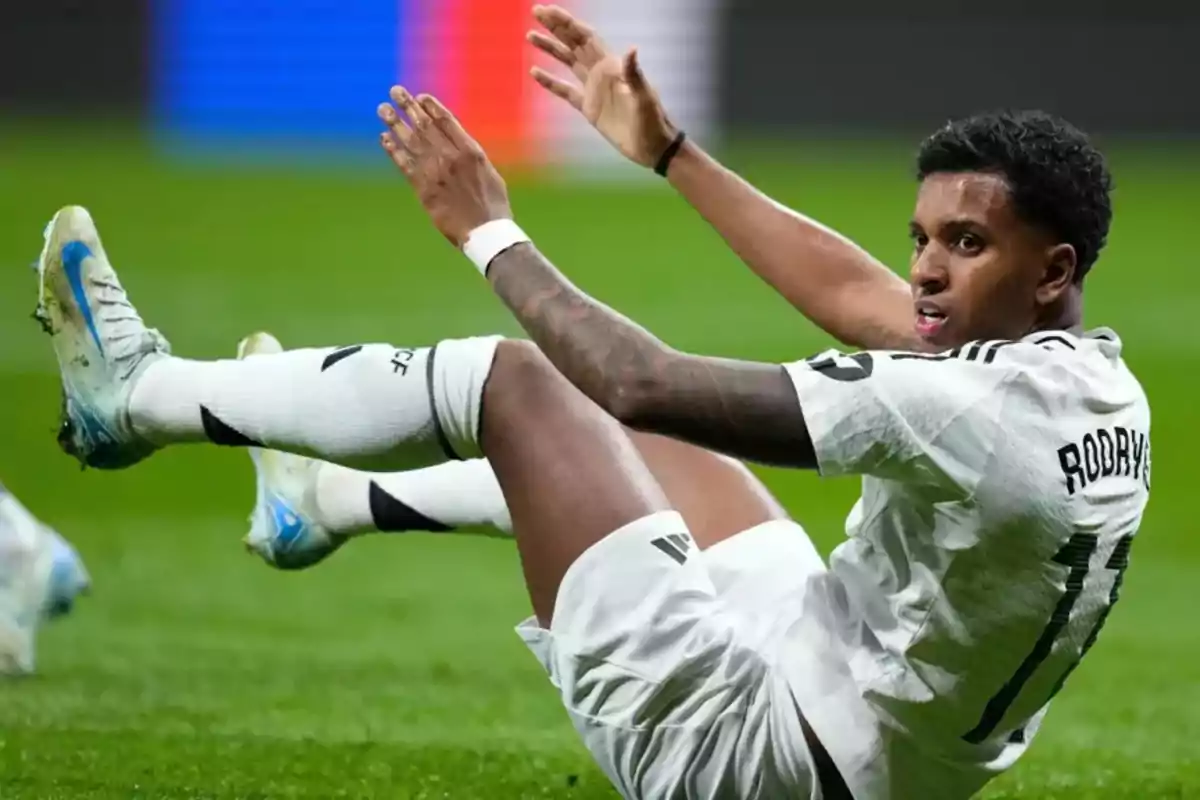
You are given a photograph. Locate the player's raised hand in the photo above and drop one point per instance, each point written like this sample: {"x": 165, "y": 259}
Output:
{"x": 609, "y": 90}
{"x": 452, "y": 176}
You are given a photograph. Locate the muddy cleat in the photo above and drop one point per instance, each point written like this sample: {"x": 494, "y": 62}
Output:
{"x": 284, "y": 529}
{"x": 100, "y": 340}
{"x": 40, "y": 577}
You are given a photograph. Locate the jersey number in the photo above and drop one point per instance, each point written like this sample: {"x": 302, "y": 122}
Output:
{"x": 847, "y": 370}
{"x": 1076, "y": 555}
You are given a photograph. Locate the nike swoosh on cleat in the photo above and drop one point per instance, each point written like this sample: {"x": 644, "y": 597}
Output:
{"x": 288, "y": 525}
{"x": 73, "y": 254}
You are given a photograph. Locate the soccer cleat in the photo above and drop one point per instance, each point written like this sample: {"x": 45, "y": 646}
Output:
{"x": 284, "y": 529}
{"x": 40, "y": 577}
{"x": 100, "y": 340}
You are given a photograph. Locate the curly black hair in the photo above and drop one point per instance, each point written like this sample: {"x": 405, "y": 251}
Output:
{"x": 1057, "y": 179}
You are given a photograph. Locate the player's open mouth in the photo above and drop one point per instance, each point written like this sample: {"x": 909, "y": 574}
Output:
{"x": 930, "y": 322}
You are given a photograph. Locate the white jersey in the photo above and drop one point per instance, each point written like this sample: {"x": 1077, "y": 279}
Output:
{"x": 1002, "y": 485}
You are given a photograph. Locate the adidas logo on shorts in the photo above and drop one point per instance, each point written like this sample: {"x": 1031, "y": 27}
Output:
{"x": 676, "y": 546}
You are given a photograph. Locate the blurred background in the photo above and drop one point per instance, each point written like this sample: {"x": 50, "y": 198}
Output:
{"x": 274, "y": 72}
{"x": 227, "y": 149}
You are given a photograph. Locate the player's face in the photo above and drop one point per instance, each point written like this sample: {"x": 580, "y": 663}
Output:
{"x": 979, "y": 271}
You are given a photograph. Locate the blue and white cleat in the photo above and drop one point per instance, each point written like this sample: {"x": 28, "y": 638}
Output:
{"x": 40, "y": 577}
{"x": 100, "y": 340}
{"x": 284, "y": 529}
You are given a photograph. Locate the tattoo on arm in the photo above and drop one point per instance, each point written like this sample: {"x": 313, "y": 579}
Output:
{"x": 744, "y": 409}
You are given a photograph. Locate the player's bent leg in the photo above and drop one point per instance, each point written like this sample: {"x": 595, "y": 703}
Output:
{"x": 718, "y": 497}
{"x": 305, "y": 509}
{"x": 654, "y": 673}
{"x": 569, "y": 472}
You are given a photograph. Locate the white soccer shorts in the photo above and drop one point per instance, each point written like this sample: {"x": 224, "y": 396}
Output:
{"x": 666, "y": 659}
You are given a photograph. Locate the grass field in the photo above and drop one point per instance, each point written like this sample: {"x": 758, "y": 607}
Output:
{"x": 392, "y": 671}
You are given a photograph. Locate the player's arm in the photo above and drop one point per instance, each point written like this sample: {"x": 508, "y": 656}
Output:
{"x": 752, "y": 411}
{"x": 918, "y": 418}
{"x": 744, "y": 409}
{"x": 827, "y": 277}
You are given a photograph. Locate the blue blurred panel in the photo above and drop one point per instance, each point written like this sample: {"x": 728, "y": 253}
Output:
{"x": 273, "y": 70}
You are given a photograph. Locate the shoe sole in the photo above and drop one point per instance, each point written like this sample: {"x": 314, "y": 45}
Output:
{"x": 61, "y": 274}
{"x": 52, "y": 315}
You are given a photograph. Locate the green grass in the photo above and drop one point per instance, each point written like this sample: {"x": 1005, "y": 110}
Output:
{"x": 393, "y": 671}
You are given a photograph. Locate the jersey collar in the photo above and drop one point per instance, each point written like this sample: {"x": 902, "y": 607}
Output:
{"x": 1105, "y": 338}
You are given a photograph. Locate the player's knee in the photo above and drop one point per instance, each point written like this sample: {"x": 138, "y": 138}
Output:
{"x": 523, "y": 380}
{"x": 525, "y": 371}
{"x": 519, "y": 354}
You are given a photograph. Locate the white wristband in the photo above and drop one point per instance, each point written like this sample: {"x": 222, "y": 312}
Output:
{"x": 490, "y": 240}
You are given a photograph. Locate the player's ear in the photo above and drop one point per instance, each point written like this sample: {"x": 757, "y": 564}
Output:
{"x": 1058, "y": 275}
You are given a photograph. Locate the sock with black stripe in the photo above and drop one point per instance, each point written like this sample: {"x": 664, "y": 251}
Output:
{"x": 374, "y": 407}
{"x": 445, "y": 497}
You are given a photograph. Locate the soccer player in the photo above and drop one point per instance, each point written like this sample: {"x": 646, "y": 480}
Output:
{"x": 1004, "y": 453}
{"x": 40, "y": 577}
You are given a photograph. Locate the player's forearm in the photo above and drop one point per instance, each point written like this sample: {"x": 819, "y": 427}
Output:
{"x": 605, "y": 354}
{"x": 828, "y": 278}
{"x": 743, "y": 409}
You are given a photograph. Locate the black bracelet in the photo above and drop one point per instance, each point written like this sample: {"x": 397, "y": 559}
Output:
{"x": 669, "y": 154}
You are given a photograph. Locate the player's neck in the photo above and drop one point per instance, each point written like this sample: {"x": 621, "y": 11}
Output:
{"x": 1065, "y": 315}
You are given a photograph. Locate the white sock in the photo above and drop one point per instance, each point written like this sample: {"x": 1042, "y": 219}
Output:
{"x": 371, "y": 406}
{"x": 456, "y": 494}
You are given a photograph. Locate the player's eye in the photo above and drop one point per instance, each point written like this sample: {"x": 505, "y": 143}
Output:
{"x": 919, "y": 241}
{"x": 969, "y": 243}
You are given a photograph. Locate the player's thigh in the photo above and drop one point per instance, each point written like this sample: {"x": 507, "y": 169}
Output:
{"x": 569, "y": 472}
{"x": 717, "y": 496}
{"x": 667, "y": 692}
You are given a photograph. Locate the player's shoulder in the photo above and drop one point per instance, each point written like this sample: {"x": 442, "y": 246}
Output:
{"x": 1098, "y": 349}
{"x": 1083, "y": 366}
{"x": 1088, "y": 366}
{"x": 1076, "y": 366}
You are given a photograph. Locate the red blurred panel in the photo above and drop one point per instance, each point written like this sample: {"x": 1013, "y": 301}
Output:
{"x": 484, "y": 69}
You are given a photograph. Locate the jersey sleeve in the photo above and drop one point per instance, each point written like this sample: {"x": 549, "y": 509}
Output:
{"x": 911, "y": 417}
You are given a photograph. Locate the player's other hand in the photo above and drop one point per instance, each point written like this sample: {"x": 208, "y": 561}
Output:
{"x": 609, "y": 90}
{"x": 452, "y": 176}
